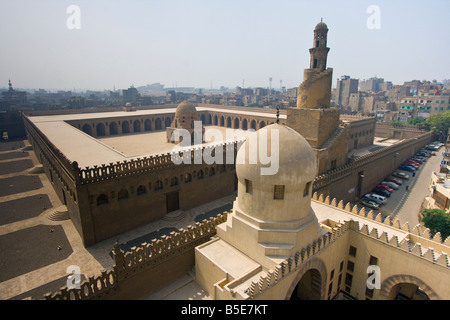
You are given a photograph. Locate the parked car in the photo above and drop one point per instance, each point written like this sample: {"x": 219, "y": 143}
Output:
{"x": 370, "y": 204}
{"x": 411, "y": 164}
{"x": 424, "y": 159}
{"x": 423, "y": 154}
{"x": 376, "y": 197}
{"x": 432, "y": 147}
{"x": 390, "y": 184}
{"x": 407, "y": 168}
{"x": 418, "y": 160}
{"x": 401, "y": 175}
{"x": 383, "y": 193}
{"x": 413, "y": 161}
{"x": 397, "y": 181}
{"x": 384, "y": 187}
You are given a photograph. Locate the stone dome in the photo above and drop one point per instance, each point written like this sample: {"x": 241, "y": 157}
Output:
{"x": 185, "y": 115}
{"x": 291, "y": 171}
{"x": 321, "y": 26}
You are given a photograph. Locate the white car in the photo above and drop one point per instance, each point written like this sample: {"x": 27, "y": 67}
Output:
{"x": 390, "y": 184}
{"x": 376, "y": 197}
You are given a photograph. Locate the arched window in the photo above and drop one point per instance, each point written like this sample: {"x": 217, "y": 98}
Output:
{"x": 200, "y": 174}
{"x": 87, "y": 129}
{"x": 113, "y": 128}
{"x": 158, "y": 185}
{"x": 125, "y": 127}
{"x": 187, "y": 177}
{"x": 167, "y": 122}
{"x": 100, "y": 129}
{"x": 212, "y": 171}
{"x": 174, "y": 181}
{"x": 102, "y": 199}
{"x": 136, "y": 126}
{"x": 148, "y": 125}
{"x": 123, "y": 194}
{"x": 141, "y": 190}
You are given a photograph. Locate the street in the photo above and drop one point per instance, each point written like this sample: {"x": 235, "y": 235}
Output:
{"x": 404, "y": 204}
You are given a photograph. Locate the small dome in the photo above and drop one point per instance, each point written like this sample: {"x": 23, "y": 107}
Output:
{"x": 185, "y": 115}
{"x": 185, "y": 109}
{"x": 321, "y": 26}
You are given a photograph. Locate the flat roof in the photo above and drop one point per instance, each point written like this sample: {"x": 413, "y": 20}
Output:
{"x": 89, "y": 151}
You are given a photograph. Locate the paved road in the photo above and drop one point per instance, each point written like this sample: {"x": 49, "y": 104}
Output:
{"x": 406, "y": 205}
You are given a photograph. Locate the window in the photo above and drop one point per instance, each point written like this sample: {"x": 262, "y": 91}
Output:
{"x": 373, "y": 261}
{"x": 339, "y": 280}
{"x": 278, "y": 192}
{"x": 141, "y": 190}
{"x": 369, "y": 292}
{"x": 330, "y": 288}
{"x": 341, "y": 266}
{"x": 352, "y": 251}
{"x": 248, "y": 186}
{"x": 331, "y": 274}
{"x": 306, "y": 190}
{"x": 348, "y": 279}
{"x": 123, "y": 194}
{"x": 212, "y": 171}
{"x": 187, "y": 178}
{"x": 102, "y": 199}
{"x": 350, "y": 266}
{"x": 200, "y": 175}
{"x": 173, "y": 182}
{"x": 158, "y": 185}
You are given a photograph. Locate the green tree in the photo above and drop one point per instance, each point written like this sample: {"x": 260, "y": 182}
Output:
{"x": 416, "y": 120}
{"x": 440, "y": 123}
{"x": 396, "y": 124}
{"x": 437, "y": 221}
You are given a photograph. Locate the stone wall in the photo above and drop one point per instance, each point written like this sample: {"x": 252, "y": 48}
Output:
{"x": 342, "y": 183}
{"x": 145, "y": 269}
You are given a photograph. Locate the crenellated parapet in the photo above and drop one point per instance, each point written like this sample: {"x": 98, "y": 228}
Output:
{"x": 418, "y": 242}
{"x": 154, "y": 163}
{"x": 150, "y": 254}
{"x": 294, "y": 263}
{"x": 140, "y": 259}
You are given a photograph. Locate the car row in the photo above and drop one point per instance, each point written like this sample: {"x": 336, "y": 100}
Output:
{"x": 383, "y": 190}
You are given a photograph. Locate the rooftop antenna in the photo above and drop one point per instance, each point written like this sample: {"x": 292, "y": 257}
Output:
{"x": 270, "y": 83}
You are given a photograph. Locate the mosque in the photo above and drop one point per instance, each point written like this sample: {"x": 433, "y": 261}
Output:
{"x": 286, "y": 237}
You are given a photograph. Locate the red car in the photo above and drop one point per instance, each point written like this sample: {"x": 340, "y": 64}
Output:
{"x": 419, "y": 161}
{"x": 383, "y": 187}
{"x": 411, "y": 164}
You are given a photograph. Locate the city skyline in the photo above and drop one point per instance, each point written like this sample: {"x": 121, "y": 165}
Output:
{"x": 211, "y": 44}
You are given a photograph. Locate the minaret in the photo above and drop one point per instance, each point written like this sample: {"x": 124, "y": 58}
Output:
{"x": 313, "y": 117}
{"x": 319, "y": 51}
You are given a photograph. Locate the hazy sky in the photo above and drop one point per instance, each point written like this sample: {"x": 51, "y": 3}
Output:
{"x": 199, "y": 42}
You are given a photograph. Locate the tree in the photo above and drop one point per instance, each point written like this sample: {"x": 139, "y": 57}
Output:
{"x": 416, "y": 120}
{"x": 440, "y": 123}
{"x": 437, "y": 221}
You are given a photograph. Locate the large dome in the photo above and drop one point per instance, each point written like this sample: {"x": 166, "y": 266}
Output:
{"x": 285, "y": 175}
{"x": 296, "y": 159}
